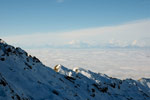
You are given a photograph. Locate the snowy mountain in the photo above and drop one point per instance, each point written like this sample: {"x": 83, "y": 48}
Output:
{"x": 24, "y": 77}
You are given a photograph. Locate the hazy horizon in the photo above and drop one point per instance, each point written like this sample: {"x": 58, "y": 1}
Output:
{"x": 75, "y": 23}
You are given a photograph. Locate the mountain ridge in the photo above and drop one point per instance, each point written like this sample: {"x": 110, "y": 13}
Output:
{"x": 24, "y": 77}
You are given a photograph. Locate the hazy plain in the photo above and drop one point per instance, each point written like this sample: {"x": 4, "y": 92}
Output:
{"x": 120, "y": 63}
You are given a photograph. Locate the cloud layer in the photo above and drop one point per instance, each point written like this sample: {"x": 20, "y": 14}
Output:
{"x": 135, "y": 33}
{"x": 116, "y": 63}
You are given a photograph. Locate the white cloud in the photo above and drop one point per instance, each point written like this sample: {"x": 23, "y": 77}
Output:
{"x": 72, "y": 42}
{"x": 79, "y": 44}
{"x": 118, "y": 43}
{"x": 121, "y": 34}
{"x": 134, "y": 42}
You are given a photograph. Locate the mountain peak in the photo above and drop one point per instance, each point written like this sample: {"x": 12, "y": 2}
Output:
{"x": 2, "y": 41}
{"x": 23, "y": 77}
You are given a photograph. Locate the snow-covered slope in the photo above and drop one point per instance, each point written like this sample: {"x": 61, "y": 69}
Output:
{"x": 24, "y": 77}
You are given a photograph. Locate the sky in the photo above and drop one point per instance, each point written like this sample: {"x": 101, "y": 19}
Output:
{"x": 75, "y": 23}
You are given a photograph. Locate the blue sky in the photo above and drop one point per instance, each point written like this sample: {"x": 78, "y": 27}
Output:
{"x": 28, "y": 17}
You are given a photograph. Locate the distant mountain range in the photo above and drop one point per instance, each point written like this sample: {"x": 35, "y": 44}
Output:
{"x": 24, "y": 77}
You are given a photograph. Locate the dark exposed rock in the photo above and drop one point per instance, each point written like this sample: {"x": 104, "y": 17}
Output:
{"x": 55, "y": 92}
{"x": 2, "y": 59}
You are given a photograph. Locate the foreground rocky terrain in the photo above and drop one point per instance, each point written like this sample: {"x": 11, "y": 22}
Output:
{"x": 24, "y": 77}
